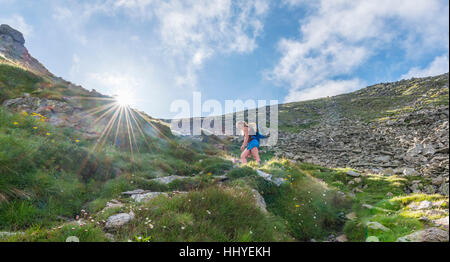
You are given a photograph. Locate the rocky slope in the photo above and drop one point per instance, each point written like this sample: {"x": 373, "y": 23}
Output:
{"x": 395, "y": 128}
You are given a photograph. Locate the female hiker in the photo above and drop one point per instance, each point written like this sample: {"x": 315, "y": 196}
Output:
{"x": 251, "y": 141}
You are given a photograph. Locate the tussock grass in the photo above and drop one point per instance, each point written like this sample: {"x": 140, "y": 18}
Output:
{"x": 211, "y": 214}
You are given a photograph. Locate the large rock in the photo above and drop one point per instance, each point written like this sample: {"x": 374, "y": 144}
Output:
{"x": 134, "y": 192}
{"x": 113, "y": 203}
{"x": 421, "y": 206}
{"x": 353, "y": 173}
{"x": 415, "y": 150}
{"x": 443, "y": 222}
{"x": 432, "y": 234}
{"x": 268, "y": 177}
{"x": 410, "y": 172}
{"x": 260, "y": 203}
{"x": 168, "y": 179}
{"x": 382, "y": 159}
{"x": 117, "y": 221}
{"x": 377, "y": 226}
{"x": 428, "y": 150}
{"x": 147, "y": 196}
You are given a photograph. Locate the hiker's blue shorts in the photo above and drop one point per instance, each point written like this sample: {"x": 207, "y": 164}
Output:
{"x": 254, "y": 143}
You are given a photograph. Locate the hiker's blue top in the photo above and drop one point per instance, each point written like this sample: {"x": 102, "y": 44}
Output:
{"x": 254, "y": 140}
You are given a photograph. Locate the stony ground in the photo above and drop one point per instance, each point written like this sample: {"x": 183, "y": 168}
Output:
{"x": 412, "y": 139}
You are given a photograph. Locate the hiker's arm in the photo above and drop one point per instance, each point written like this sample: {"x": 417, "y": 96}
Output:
{"x": 244, "y": 144}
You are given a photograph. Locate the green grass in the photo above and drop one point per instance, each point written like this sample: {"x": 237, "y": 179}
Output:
{"x": 310, "y": 208}
{"x": 211, "y": 214}
{"x": 87, "y": 233}
{"x": 385, "y": 194}
{"x": 15, "y": 81}
{"x": 45, "y": 174}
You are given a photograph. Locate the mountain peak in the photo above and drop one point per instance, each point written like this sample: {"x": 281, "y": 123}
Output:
{"x": 13, "y": 33}
{"x": 12, "y": 49}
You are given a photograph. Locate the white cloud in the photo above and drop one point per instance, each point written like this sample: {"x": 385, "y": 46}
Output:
{"x": 327, "y": 88}
{"x": 190, "y": 31}
{"x": 296, "y": 3}
{"x": 340, "y": 36}
{"x": 61, "y": 13}
{"x": 114, "y": 80}
{"x": 196, "y": 30}
{"x": 439, "y": 66}
{"x": 75, "y": 68}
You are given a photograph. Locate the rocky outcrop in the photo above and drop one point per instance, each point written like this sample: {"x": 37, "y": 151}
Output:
{"x": 118, "y": 220}
{"x": 268, "y": 177}
{"x": 168, "y": 179}
{"x": 14, "y": 34}
{"x": 140, "y": 195}
{"x": 147, "y": 196}
{"x": 64, "y": 113}
{"x": 377, "y": 226}
{"x": 12, "y": 48}
{"x": 259, "y": 201}
{"x": 432, "y": 234}
{"x": 113, "y": 203}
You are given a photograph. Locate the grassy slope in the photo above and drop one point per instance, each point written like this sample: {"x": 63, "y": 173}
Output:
{"x": 386, "y": 196}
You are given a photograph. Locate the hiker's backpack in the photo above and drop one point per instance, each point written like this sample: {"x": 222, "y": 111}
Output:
{"x": 258, "y": 135}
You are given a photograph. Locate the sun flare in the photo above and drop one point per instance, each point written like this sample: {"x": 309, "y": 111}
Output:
{"x": 124, "y": 99}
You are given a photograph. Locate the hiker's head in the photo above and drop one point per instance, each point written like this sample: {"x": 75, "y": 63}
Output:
{"x": 241, "y": 124}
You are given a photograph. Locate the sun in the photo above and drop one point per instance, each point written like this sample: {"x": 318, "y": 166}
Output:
{"x": 124, "y": 99}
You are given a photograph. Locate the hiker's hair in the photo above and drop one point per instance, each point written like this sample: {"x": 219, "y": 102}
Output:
{"x": 241, "y": 124}
{"x": 252, "y": 127}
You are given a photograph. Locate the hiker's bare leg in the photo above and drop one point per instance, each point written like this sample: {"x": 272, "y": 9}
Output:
{"x": 255, "y": 154}
{"x": 244, "y": 156}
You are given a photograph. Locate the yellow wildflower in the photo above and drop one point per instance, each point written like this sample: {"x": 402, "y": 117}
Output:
{"x": 77, "y": 141}
{"x": 47, "y": 134}
{"x": 15, "y": 123}
{"x": 35, "y": 127}
{"x": 25, "y": 113}
{"x": 209, "y": 174}
{"x": 297, "y": 206}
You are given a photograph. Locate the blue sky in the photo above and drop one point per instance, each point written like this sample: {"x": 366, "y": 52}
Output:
{"x": 158, "y": 51}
